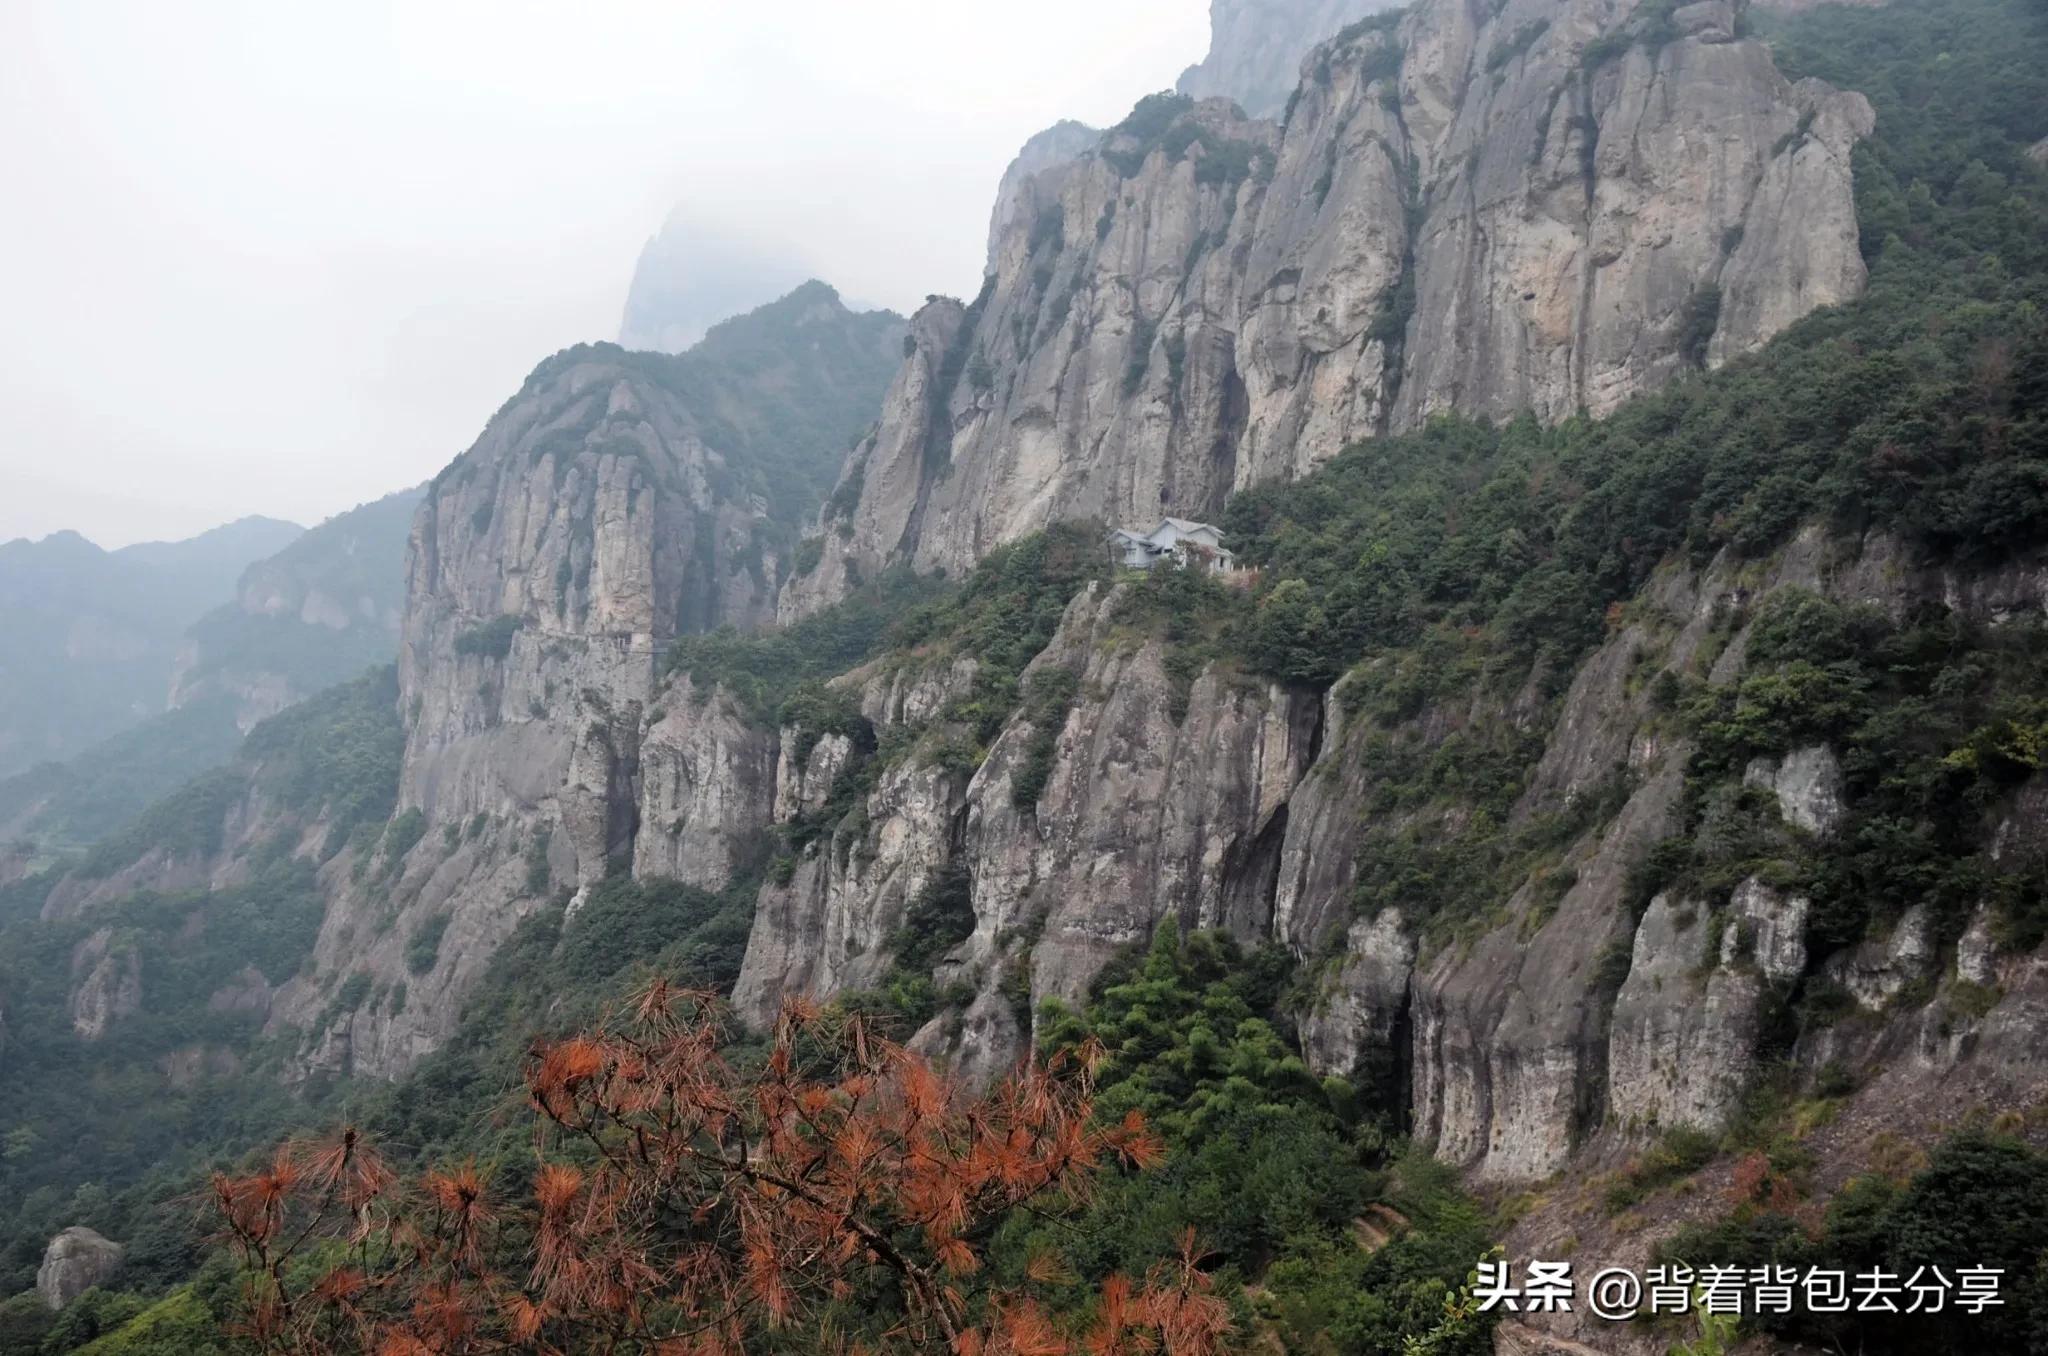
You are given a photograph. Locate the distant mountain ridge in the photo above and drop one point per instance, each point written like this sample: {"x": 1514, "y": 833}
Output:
{"x": 315, "y": 614}
{"x": 689, "y": 278}
{"x": 92, "y": 634}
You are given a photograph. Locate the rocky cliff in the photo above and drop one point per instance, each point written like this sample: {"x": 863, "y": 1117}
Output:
{"x": 612, "y": 505}
{"x": 1488, "y": 212}
{"x": 1256, "y": 47}
{"x": 617, "y": 501}
{"x": 1707, "y": 774}
{"x": 1557, "y": 1025}
{"x": 1056, "y": 147}
{"x": 1533, "y": 207}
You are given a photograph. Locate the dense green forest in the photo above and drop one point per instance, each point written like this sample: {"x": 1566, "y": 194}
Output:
{"x": 1454, "y": 560}
{"x": 72, "y": 804}
{"x": 170, "y": 1085}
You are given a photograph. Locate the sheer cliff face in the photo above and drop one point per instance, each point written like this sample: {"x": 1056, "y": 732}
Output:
{"x": 1546, "y": 207}
{"x": 548, "y": 567}
{"x": 1148, "y": 813}
{"x": 1256, "y": 46}
{"x": 1055, "y": 148}
{"x": 617, "y": 501}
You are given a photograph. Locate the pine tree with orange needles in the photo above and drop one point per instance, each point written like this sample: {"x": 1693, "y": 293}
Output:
{"x": 832, "y": 1197}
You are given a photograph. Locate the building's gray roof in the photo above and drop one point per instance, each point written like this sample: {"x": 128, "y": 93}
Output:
{"x": 1187, "y": 525}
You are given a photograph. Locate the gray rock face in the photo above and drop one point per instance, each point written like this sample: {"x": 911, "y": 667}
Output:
{"x": 1807, "y": 783}
{"x": 598, "y": 517}
{"x": 482, "y": 886}
{"x": 881, "y": 497}
{"x": 707, "y": 784}
{"x": 1142, "y": 817}
{"x": 1318, "y": 853}
{"x": 804, "y": 780}
{"x": 1767, "y": 929}
{"x": 1055, "y": 148}
{"x": 1977, "y": 950}
{"x": 617, "y": 502}
{"x": 1362, "y": 1005}
{"x": 1256, "y": 47}
{"x": 1682, "y": 1038}
{"x": 1878, "y": 971}
{"x": 109, "y": 985}
{"x": 1518, "y": 1061}
{"x": 1510, "y": 1034}
{"x": 827, "y": 930}
{"x": 912, "y": 693}
{"x": 827, "y": 927}
{"x": 1461, "y": 212}
{"x": 76, "y": 1260}
{"x": 573, "y": 527}
{"x": 1554, "y": 1024}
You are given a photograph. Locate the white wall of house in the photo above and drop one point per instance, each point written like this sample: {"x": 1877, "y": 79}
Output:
{"x": 1173, "y": 539}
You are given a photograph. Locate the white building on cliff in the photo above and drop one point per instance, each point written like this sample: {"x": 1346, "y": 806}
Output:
{"x": 1175, "y": 539}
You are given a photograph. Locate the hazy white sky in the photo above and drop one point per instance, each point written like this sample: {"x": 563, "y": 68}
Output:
{"x": 283, "y": 257}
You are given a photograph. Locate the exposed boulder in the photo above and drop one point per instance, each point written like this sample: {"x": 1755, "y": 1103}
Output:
{"x": 110, "y": 987}
{"x": 1807, "y": 783}
{"x": 1767, "y": 928}
{"x": 1977, "y": 950}
{"x": 76, "y": 1260}
{"x": 249, "y": 992}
